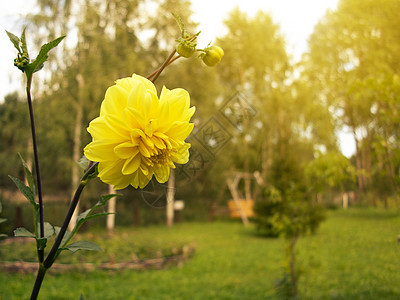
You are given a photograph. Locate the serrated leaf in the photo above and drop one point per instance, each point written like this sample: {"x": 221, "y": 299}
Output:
{"x": 180, "y": 24}
{"x": 82, "y": 245}
{"x": 42, "y": 56}
{"x": 41, "y": 243}
{"x": 26, "y": 191}
{"x": 23, "y": 43}
{"x": 23, "y": 232}
{"x": 28, "y": 174}
{"x": 15, "y": 40}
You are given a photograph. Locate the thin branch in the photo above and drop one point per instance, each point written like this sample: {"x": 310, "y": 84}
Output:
{"x": 163, "y": 66}
{"x": 53, "y": 252}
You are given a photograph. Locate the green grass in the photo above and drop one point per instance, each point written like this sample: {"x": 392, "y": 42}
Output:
{"x": 354, "y": 255}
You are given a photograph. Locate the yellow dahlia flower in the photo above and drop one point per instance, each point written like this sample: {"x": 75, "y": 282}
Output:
{"x": 138, "y": 135}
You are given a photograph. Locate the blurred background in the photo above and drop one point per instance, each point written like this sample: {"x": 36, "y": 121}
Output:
{"x": 305, "y": 87}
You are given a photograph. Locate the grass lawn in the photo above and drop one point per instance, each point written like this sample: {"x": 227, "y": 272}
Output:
{"x": 354, "y": 255}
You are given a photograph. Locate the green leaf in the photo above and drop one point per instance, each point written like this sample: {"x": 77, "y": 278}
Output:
{"x": 2, "y": 220}
{"x": 81, "y": 297}
{"x": 96, "y": 216}
{"x": 28, "y": 174}
{"x": 84, "y": 162}
{"x": 23, "y": 232}
{"x": 41, "y": 243}
{"x": 83, "y": 215}
{"x": 26, "y": 191}
{"x": 42, "y": 56}
{"x": 180, "y": 24}
{"x": 48, "y": 230}
{"x": 82, "y": 245}
{"x": 104, "y": 199}
{"x": 23, "y": 43}
{"x": 15, "y": 40}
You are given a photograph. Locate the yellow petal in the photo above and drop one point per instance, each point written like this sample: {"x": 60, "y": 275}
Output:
{"x": 126, "y": 150}
{"x": 190, "y": 113}
{"x": 148, "y": 130}
{"x": 180, "y": 130}
{"x": 161, "y": 172}
{"x": 147, "y": 83}
{"x": 133, "y": 118}
{"x": 178, "y": 100}
{"x": 139, "y": 180}
{"x": 99, "y": 129}
{"x": 126, "y": 83}
{"x": 110, "y": 173}
{"x": 136, "y": 97}
{"x": 101, "y": 150}
{"x": 143, "y": 180}
{"x": 143, "y": 150}
{"x": 182, "y": 155}
{"x": 131, "y": 165}
{"x": 158, "y": 143}
{"x": 115, "y": 101}
{"x": 136, "y": 133}
{"x": 117, "y": 125}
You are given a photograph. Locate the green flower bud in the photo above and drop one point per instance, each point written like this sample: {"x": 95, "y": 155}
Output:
{"x": 212, "y": 55}
{"x": 21, "y": 61}
{"x": 185, "y": 48}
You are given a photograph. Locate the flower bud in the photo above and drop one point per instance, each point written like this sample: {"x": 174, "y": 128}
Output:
{"x": 21, "y": 61}
{"x": 212, "y": 55}
{"x": 185, "y": 48}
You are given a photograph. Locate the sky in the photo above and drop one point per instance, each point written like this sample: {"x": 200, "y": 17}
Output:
{"x": 296, "y": 18}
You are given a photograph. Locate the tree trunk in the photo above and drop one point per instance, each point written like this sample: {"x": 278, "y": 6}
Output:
{"x": 358, "y": 163}
{"x": 170, "y": 198}
{"x": 76, "y": 155}
{"x": 110, "y": 222}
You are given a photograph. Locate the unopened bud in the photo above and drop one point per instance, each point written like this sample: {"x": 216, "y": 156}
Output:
{"x": 185, "y": 48}
{"x": 21, "y": 61}
{"x": 212, "y": 55}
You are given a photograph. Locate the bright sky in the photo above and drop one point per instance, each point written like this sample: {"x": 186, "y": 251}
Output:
{"x": 296, "y": 18}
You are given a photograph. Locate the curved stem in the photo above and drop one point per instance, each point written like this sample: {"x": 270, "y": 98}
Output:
{"x": 36, "y": 159}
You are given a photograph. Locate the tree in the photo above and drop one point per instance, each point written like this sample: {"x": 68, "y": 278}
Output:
{"x": 354, "y": 64}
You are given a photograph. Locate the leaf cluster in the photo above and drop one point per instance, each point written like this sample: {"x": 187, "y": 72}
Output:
{"x": 49, "y": 230}
{"x": 23, "y": 62}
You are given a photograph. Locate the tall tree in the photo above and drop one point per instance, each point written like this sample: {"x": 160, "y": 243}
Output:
{"x": 354, "y": 60}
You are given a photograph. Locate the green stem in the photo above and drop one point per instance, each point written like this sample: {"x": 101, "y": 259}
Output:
{"x": 36, "y": 159}
{"x": 53, "y": 252}
{"x": 43, "y": 267}
{"x": 38, "y": 282}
